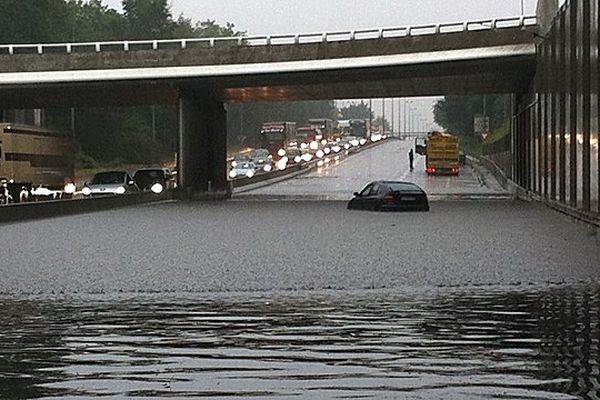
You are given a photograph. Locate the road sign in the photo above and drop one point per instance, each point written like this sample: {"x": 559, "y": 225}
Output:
{"x": 481, "y": 124}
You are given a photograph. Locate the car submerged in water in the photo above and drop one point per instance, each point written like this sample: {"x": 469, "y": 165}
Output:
{"x": 390, "y": 196}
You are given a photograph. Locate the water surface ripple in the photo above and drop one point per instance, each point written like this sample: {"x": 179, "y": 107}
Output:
{"x": 450, "y": 344}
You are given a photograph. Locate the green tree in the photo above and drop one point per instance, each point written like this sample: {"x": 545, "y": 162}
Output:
{"x": 33, "y": 21}
{"x": 148, "y": 19}
{"x": 356, "y": 111}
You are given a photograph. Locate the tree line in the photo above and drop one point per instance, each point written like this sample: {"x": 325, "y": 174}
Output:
{"x": 456, "y": 115}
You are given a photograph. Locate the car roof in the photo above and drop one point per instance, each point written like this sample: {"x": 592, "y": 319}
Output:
{"x": 387, "y": 183}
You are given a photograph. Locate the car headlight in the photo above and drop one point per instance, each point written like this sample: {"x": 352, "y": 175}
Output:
{"x": 314, "y": 145}
{"x": 324, "y": 142}
{"x": 86, "y": 191}
{"x": 234, "y": 164}
{"x": 157, "y": 188}
{"x": 355, "y": 143}
{"x": 232, "y": 174}
{"x": 70, "y": 188}
{"x": 281, "y": 152}
{"x": 320, "y": 154}
{"x": 297, "y": 159}
{"x": 346, "y": 146}
{"x": 307, "y": 157}
{"x": 267, "y": 168}
{"x": 304, "y": 146}
{"x": 363, "y": 142}
{"x": 120, "y": 190}
{"x": 250, "y": 174}
{"x": 327, "y": 150}
{"x": 336, "y": 149}
{"x": 320, "y": 163}
{"x": 282, "y": 164}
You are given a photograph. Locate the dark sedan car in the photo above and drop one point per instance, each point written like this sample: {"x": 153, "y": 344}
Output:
{"x": 156, "y": 180}
{"x": 390, "y": 196}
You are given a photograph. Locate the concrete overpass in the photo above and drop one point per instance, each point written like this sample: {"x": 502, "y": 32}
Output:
{"x": 495, "y": 56}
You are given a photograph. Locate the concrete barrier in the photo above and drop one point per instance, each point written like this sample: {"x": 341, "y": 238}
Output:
{"x": 56, "y": 208}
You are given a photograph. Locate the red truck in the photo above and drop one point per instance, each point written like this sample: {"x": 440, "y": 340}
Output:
{"x": 277, "y": 136}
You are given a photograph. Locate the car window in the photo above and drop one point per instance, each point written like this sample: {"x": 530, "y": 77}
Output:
{"x": 404, "y": 187}
{"x": 366, "y": 190}
{"x": 108, "y": 178}
{"x": 383, "y": 190}
{"x": 374, "y": 189}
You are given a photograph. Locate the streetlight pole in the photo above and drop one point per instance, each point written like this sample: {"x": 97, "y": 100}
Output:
{"x": 522, "y": 7}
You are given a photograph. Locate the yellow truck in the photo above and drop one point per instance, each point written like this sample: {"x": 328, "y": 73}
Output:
{"x": 443, "y": 154}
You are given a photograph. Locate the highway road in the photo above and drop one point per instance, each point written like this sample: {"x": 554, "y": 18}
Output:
{"x": 385, "y": 161}
{"x": 304, "y": 299}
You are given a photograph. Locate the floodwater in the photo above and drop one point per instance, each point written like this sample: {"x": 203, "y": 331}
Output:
{"x": 480, "y": 343}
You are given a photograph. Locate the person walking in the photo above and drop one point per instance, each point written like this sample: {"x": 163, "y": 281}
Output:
{"x": 411, "y": 159}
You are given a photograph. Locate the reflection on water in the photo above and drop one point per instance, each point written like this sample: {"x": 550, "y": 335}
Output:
{"x": 495, "y": 344}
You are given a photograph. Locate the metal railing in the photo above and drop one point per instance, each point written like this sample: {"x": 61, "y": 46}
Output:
{"x": 271, "y": 40}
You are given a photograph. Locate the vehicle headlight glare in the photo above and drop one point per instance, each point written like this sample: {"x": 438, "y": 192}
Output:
{"x": 267, "y": 168}
{"x": 232, "y": 174}
{"x": 86, "y": 191}
{"x": 234, "y": 164}
{"x": 327, "y": 150}
{"x": 281, "y": 152}
{"x": 362, "y": 142}
{"x": 314, "y": 145}
{"x": 304, "y": 146}
{"x": 320, "y": 154}
{"x": 70, "y": 188}
{"x": 157, "y": 188}
{"x": 120, "y": 190}
{"x": 250, "y": 174}
{"x": 297, "y": 159}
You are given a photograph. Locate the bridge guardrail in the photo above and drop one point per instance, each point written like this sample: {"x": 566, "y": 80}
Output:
{"x": 272, "y": 40}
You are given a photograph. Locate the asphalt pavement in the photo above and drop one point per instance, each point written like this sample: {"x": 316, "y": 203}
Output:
{"x": 385, "y": 161}
{"x": 294, "y": 245}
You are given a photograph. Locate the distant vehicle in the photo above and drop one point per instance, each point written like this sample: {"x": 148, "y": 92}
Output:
{"x": 33, "y": 157}
{"x": 324, "y": 126}
{"x": 355, "y": 128}
{"x": 390, "y": 196}
{"x": 243, "y": 170}
{"x": 240, "y": 158}
{"x": 443, "y": 154}
{"x": 276, "y": 138}
{"x": 262, "y": 159}
{"x": 156, "y": 180}
{"x": 109, "y": 184}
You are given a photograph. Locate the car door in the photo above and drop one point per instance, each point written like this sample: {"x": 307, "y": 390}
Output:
{"x": 359, "y": 202}
{"x": 372, "y": 198}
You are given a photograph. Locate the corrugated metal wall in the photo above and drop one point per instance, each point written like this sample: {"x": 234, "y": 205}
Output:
{"x": 555, "y": 135}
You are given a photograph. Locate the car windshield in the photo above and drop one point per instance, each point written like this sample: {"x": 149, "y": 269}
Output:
{"x": 260, "y": 153}
{"x": 149, "y": 174}
{"x": 404, "y": 187}
{"x": 108, "y": 178}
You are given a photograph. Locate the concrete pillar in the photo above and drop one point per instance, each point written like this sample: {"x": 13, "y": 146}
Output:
{"x": 202, "y": 145}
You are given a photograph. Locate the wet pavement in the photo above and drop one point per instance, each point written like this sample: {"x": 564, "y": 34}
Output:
{"x": 385, "y": 161}
{"x": 493, "y": 343}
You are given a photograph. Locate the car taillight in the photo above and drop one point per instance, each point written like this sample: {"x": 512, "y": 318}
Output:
{"x": 389, "y": 198}
{"x": 431, "y": 170}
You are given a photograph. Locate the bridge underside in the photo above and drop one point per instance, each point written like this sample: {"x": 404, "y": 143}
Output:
{"x": 507, "y": 69}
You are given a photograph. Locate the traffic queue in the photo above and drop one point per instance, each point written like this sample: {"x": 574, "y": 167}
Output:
{"x": 284, "y": 145}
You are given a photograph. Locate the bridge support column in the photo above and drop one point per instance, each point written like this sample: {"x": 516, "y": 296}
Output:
{"x": 202, "y": 163}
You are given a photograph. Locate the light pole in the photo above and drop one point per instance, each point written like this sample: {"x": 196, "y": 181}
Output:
{"x": 522, "y": 7}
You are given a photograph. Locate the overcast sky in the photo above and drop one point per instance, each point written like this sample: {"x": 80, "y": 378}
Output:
{"x": 300, "y": 16}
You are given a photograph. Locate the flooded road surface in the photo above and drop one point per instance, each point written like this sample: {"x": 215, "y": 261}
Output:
{"x": 492, "y": 343}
